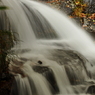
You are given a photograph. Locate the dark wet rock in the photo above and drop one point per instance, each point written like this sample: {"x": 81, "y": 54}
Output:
{"x": 74, "y": 64}
{"x": 91, "y": 90}
{"x": 6, "y": 85}
{"x": 40, "y": 62}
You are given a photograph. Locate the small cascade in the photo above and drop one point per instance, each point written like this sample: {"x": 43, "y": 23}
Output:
{"x": 62, "y": 79}
{"x": 23, "y": 86}
{"x": 59, "y": 74}
{"x": 38, "y": 80}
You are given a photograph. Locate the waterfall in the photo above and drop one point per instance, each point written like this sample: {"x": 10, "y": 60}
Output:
{"x": 77, "y": 38}
{"x": 40, "y": 30}
{"x": 39, "y": 20}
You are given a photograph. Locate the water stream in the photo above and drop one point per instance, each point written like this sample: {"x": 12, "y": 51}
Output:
{"x": 35, "y": 19}
{"x": 40, "y": 29}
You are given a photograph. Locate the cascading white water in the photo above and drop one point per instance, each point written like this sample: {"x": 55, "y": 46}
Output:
{"x": 19, "y": 22}
{"x": 60, "y": 76}
{"x": 23, "y": 86}
{"x": 61, "y": 79}
{"x": 66, "y": 30}
{"x": 39, "y": 81}
{"x": 23, "y": 15}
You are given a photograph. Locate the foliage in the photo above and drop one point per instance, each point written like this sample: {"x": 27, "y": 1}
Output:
{"x": 3, "y": 7}
{"x": 81, "y": 10}
{"x": 6, "y": 42}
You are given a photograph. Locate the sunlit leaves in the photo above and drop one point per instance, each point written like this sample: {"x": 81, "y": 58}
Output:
{"x": 92, "y": 16}
{"x": 77, "y": 3}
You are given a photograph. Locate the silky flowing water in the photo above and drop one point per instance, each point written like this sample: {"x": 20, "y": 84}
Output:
{"x": 41, "y": 29}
